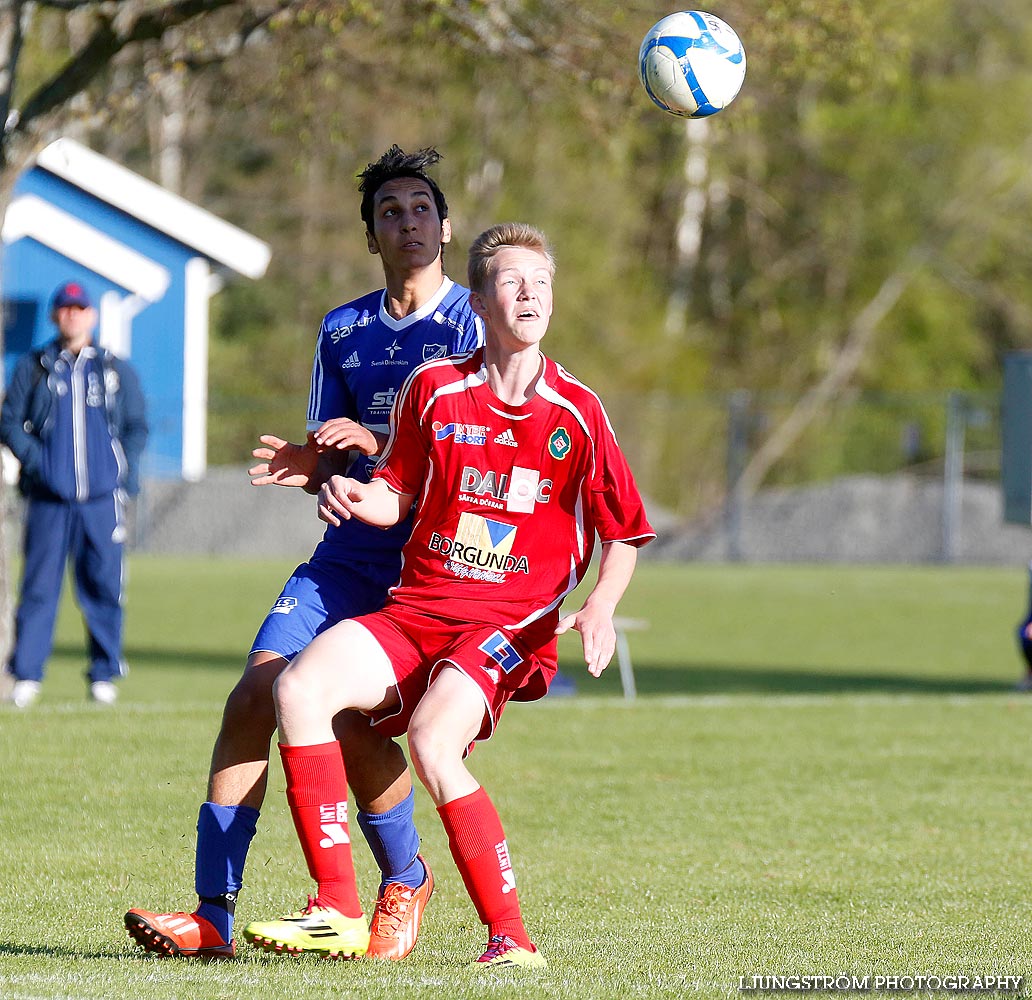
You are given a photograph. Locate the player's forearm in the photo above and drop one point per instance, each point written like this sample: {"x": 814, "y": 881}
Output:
{"x": 615, "y": 569}
{"x": 377, "y": 504}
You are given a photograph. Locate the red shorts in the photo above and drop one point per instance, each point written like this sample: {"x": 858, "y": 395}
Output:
{"x": 502, "y": 665}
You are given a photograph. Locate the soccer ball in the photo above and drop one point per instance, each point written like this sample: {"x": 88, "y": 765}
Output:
{"x": 691, "y": 64}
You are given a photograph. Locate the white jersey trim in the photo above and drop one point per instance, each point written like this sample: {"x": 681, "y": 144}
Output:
{"x": 316, "y": 386}
{"x": 428, "y": 308}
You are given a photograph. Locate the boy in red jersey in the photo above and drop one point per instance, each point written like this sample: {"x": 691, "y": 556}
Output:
{"x": 513, "y": 468}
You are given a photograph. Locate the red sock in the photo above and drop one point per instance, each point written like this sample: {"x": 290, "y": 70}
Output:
{"x": 477, "y": 843}
{"x": 317, "y": 792}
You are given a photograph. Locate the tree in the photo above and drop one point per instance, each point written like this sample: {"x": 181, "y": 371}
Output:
{"x": 98, "y": 32}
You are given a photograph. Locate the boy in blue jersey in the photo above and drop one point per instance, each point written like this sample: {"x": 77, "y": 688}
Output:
{"x": 365, "y": 351}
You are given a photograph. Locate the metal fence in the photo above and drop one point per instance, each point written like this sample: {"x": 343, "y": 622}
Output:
{"x": 924, "y": 468}
{"x": 889, "y": 478}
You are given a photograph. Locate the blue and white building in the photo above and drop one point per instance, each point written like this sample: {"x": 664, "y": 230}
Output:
{"x": 150, "y": 260}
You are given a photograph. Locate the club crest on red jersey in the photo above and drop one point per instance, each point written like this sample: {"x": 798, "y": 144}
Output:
{"x": 559, "y": 444}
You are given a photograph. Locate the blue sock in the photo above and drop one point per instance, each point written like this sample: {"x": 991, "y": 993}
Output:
{"x": 224, "y": 835}
{"x": 394, "y": 841}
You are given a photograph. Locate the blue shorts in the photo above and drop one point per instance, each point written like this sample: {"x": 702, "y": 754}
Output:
{"x": 320, "y": 594}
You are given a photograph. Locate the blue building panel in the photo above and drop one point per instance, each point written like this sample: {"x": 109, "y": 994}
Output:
{"x": 80, "y": 217}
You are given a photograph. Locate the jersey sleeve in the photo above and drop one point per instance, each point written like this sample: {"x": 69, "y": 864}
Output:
{"x": 617, "y": 507}
{"x": 403, "y": 463}
{"x": 472, "y": 335}
{"x": 329, "y": 395}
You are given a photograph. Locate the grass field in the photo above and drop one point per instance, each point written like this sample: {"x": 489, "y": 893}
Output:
{"x": 825, "y": 773}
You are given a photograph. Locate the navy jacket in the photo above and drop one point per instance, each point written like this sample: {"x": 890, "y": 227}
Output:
{"x": 26, "y": 417}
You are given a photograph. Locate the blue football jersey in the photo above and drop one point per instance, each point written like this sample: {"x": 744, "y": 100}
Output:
{"x": 362, "y": 359}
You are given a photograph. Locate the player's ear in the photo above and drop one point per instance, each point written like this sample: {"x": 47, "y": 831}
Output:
{"x": 374, "y": 247}
{"x": 446, "y": 231}
{"x": 476, "y": 303}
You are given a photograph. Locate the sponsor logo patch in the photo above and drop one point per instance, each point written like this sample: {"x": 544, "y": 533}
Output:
{"x": 346, "y": 331}
{"x": 333, "y": 819}
{"x": 518, "y": 490}
{"x": 463, "y": 433}
{"x": 498, "y": 647}
{"x": 523, "y": 490}
{"x": 391, "y": 349}
{"x": 480, "y": 550}
{"x": 505, "y": 867}
{"x": 383, "y": 400}
{"x": 283, "y": 606}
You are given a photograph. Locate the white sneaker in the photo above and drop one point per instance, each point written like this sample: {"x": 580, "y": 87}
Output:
{"x": 24, "y": 693}
{"x": 104, "y": 691}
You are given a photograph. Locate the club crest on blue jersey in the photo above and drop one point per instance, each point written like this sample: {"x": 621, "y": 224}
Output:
{"x": 431, "y": 352}
{"x": 498, "y": 647}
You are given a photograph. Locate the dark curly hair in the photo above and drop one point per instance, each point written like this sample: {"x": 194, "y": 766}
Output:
{"x": 397, "y": 163}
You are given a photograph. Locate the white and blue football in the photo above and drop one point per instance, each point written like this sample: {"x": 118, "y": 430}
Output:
{"x": 692, "y": 64}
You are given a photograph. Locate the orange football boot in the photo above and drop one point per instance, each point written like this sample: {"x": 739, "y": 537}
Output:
{"x": 177, "y": 935}
{"x": 395, "y": 924}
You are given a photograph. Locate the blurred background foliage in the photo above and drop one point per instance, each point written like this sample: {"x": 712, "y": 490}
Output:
{"x": 853, "y": 230}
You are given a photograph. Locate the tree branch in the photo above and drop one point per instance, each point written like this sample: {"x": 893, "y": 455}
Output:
{"x": 861, "y": 331}
{"x": 251, "y": 23}
{"x": 12, "y": 37}
{"x": 108, "y": 39}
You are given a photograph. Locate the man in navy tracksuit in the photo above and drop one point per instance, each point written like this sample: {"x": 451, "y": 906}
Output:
{"x": 74, "y": 417}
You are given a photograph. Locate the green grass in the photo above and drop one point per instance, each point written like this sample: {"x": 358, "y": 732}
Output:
{"x": 825, "y": 773}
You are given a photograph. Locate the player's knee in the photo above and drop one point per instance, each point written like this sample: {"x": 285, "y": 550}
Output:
{"x": 250, "y": 702}
{"x": 292, "y": 693}
{"x": 432, "y": 752}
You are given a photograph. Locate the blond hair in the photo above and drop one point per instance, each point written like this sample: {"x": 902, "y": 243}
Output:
{"x": 507, "y": 234}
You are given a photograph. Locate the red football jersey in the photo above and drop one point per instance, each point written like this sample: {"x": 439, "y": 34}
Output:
{"x": 509, "y": 499}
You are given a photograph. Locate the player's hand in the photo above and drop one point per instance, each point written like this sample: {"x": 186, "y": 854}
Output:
{"x": 342, "y": 434}
{"x": 338, "y": 497}
{"x": 598, "y": 635}
{"x": 283, "y": 463}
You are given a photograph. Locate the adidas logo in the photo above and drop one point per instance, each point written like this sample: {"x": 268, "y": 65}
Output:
{"x": 351, "y": 362}
{"x": 506, "y": 438}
